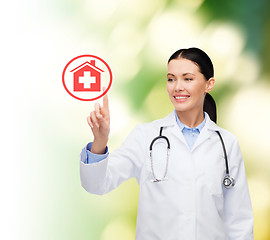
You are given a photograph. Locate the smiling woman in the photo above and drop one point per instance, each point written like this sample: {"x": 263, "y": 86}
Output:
{"x": 190, "y": 77}
{"x": 189, "y": 152}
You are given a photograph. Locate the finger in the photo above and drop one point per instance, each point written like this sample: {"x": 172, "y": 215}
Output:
{"x": 89, "y": 122}
{"x": 98, "y": 111}
{"x": 94, "y": 119}
{"x": 105, "y": 106}
{"x": 99, "y": 116}
{"x": 97, "y": 108}
{"x": 101, "y": 120}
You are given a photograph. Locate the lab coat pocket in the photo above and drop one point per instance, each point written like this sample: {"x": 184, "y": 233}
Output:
{"x": 212, "y": 190}
{"x": 214, "y": 174}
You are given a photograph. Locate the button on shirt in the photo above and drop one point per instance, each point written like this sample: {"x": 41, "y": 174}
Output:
{"x": 190, "y": 134}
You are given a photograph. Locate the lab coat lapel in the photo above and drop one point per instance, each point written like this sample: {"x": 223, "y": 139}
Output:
{"x": 203, "y": 136}
{"x": 178, "y": 133}
{"x": 170, "y": 121}
{"x": 205, "y": 133}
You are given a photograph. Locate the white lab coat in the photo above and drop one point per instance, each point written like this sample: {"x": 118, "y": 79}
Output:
{"x": 192, "y": 204}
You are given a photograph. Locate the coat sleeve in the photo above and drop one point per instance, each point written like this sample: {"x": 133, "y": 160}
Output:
{"x": 124, "y": 163}
{"x": 238, "y": 210}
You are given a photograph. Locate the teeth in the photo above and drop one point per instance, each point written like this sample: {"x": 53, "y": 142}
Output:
{"x": 181, "y": 97}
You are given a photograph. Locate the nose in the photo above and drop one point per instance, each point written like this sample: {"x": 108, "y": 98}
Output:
{"x": 179, "y": 85}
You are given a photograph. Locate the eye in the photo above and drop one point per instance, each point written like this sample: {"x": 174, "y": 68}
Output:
{"x": 170, "y": 80}
{"x": 188, "y": 79}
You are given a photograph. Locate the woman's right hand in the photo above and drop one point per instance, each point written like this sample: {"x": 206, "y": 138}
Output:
{"x": 99, "y": 121}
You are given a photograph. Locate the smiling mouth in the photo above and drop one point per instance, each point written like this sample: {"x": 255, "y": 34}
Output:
{"x": 181, "y": 97}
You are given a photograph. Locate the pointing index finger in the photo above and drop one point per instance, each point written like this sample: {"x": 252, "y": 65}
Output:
{"x": 105, "y": 101}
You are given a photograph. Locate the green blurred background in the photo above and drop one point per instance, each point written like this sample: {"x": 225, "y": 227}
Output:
{"x": 43, "y": 129}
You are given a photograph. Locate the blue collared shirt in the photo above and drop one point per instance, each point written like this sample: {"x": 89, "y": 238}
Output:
{"x": 190, "y": 134}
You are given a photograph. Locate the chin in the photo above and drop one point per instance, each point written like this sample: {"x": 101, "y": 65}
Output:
{"x": 182, "y": 108}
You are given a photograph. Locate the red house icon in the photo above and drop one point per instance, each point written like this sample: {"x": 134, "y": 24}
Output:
{"x": 86, "y": 77}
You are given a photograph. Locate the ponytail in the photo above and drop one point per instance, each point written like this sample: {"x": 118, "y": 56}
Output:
{"x": 209, "y": 106}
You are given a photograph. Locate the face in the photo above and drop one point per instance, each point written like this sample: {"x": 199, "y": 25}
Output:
{"x": 187, "y": 86}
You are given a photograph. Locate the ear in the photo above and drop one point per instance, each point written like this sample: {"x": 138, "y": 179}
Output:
{"x": 209, "y": 85}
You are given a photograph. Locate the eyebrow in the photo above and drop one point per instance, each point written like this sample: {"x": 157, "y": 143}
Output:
{"x": 184, "y": 74}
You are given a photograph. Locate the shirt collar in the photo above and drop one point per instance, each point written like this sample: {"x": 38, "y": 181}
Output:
{"x": 182, "y": 125}
{"x": 170, "y": 120}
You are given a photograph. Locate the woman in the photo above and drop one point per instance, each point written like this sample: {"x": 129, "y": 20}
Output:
{"x": 182, "y": 194}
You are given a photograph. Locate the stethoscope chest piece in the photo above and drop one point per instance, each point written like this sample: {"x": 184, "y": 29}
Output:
{"x": 228, "y": 181}
{"x": 159, "y": 180}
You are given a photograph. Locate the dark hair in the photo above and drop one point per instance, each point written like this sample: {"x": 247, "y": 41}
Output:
{"x": 204, "y": 63}
{"x": 199, "y": 57}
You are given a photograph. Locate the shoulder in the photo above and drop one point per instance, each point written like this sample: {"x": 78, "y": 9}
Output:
{"x": 229, "y": 138}
{"x": 232, "y": 147}
{"x": 226, "y": 133}
{"x": 162, "y": 122}
{"x": 151, "y": 129}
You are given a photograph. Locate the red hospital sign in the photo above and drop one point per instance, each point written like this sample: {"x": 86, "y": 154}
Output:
{"x": 86, "y": 77}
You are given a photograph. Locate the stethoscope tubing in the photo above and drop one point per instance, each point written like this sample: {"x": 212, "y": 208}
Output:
{"x": 151, "y": 157}
{"x": 224, "y": 152}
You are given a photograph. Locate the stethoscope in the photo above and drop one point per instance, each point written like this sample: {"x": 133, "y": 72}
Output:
{"x": 228, "y": 181}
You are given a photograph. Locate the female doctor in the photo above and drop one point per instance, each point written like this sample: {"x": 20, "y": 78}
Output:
{"x": 187, "y": 189}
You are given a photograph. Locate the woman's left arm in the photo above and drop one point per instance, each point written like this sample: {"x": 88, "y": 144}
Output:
{"x": 238, "y": 210}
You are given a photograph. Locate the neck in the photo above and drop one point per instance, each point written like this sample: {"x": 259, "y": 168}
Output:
{"x": 191, "y": 119}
